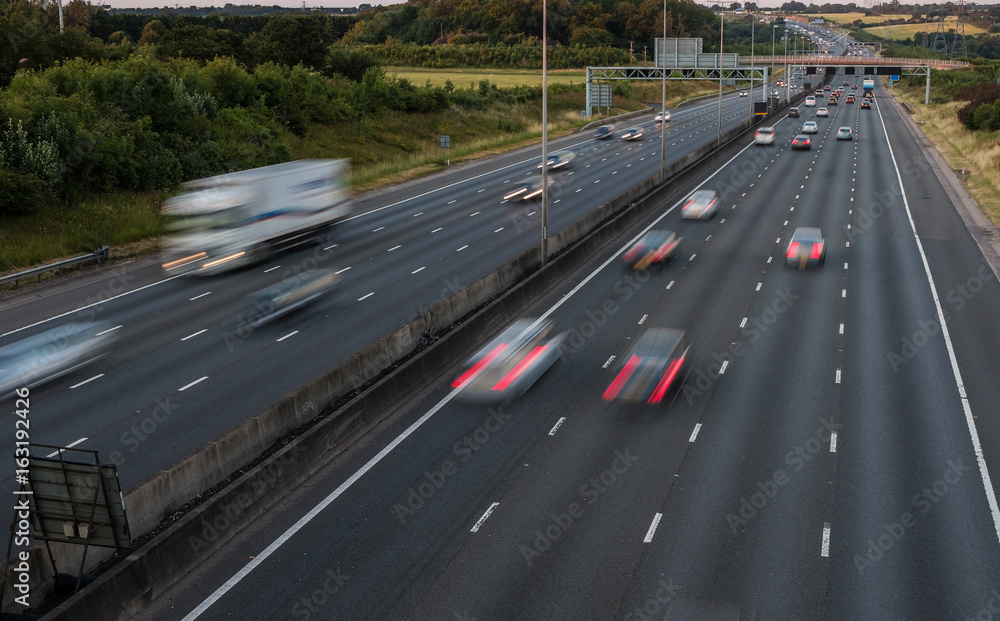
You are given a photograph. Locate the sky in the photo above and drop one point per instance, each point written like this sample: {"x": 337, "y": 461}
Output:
{"x": 147, "y": 4}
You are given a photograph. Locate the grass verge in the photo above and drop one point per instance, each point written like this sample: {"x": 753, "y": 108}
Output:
{"x": 977, "y": 152}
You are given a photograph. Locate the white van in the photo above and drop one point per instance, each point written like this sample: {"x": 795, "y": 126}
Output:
{"x": 811, "y": 101}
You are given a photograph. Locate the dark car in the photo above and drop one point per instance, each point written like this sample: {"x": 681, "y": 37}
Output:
{"x": 866, "y": 105}
{"x": 282, "y": 298}
{"x": 850, "y": 99}
{"x": 807, "y": 247}
{"x": 654, "y": 247}
{"x": 793, "y": 111}
{"x": 801, "y": 142}
{"x": 632, "y": 133}
{"x": 559, "y": 159}
{"x": 511, "y": 363}
{"x": 656, "y": 366}
{"x": 605, "y": 132}
{"x": 526, "y": 190}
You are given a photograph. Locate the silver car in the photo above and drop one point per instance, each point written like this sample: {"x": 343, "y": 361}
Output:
{"x": 810, "y": 127}
{"x": 702, "y": 205}
{"x": 632, "y": 133}
{"x": 45, "y": 356}
{"x": 845, "y": 133}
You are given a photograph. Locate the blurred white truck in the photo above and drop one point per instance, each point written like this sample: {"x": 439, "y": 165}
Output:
{"x": 223, "y": 222}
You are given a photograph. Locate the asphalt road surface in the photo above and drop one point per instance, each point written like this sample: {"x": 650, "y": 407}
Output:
{"x": 827, "y": 458}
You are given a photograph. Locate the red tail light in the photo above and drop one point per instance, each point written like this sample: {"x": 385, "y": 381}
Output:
{"x": 506, "y": 380}
{"x": 662, "y": 252}
{"x": 686, "y": 205}
{"x": 479, "y": 366}
{"x": 793, "y": 249}
{"x": 665, "y": 381}
{"x": 619, "y": 383}
{"x": 816, "y": 251}
{"x": 632, "y": 253}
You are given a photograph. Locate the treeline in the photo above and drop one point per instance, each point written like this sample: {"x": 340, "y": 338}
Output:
{"x": 143, "y": 124}
{"x": 524, "y": 56}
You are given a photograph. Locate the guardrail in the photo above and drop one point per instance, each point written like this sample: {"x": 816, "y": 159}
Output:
{"x": 101, "y": 254}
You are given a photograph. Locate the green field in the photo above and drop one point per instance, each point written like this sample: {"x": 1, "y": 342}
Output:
{"x": 906, "y": 31}
{"x": 498, "y": 77}
{"x": 848, "y": 18}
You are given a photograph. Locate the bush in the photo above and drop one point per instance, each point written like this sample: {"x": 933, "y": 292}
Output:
{"x": 22, "y": 193}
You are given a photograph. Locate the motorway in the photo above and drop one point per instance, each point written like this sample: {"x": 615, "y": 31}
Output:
{"x": 821, "y": 463}
{"x": 178, "y": 379}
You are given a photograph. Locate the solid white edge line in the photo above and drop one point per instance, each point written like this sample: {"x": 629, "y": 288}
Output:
{"x": 694, "y": 434}
{"x": 305, "y": 519}
{"x": 76, "y": 310}
{"x": 257, "y": 560}
{"x": 197, "y": 381}
{"x": 825, "y": 547}
{"x": 486, "y": 515}
{"x": 289, "y": 335}
{"x": 652, "y": 528}
{"x": 991, "y": 498}
{"x": 556, "y": 427}
{"x": 86, "y": 381}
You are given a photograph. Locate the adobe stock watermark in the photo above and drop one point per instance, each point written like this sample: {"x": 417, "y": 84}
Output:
{"x": 590, "y": 492}
{"x": 625, "y": 288}
{"x": 891, "y": 533}
{"x": 796, "y": 459}
{"x": 139, "y": 433}
{"x": 703, "y": 379}
{"x": 433, "y": 481}
{"x": 867, "y": 215}
{"x": 331, "y": 582}
{"x": 745, "y": 170}
{"x": 653, "y": 607}
{"x": 263, "y": 482}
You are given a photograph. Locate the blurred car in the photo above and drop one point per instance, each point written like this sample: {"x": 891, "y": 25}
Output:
{"x": 605, "y": 132}
{"x": 850, "y": 99}
{"x": 846, "y": 83}
{"x": 866, "y": 105}
{"x": 654, "y": 247}
{"x": 632, "y": 133}
{"x": 559, "y": 159}
{"x": 526, "y": 190}
{"x": 845, "y": 133}
{"x": 810, "y": 101}
{"x": 832, "y": 101}
{"x": 702, "y": 205}
{"x": 810, "y": 127}
{"x": 819, "y": 92}
{"x": 822, "y": 112}
{"x": 793, "y": 111}
{"x": 764, "y": 135}
{"x": 284, "y": 297}
{"x": 656, "y": 364}
{"x": 806, "y": 247}
{"x": 801, "y": 142}
{"x": 511, "y": 363}
{"x": 663, "y": 116}
{"x": 826, "y": 88}
{"x": 45, "y": 356}
{"x": 744, "y": 94}
{"x": 854, "y": 85}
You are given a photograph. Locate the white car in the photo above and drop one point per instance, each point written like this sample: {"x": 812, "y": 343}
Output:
{"x": 665, "y": 116}
{"x": 811, "y": 101}
{"x": 764, "y": 135}
{"x": 810, "y": 127}
{"x": 743, "y": 94}
{"x": 822, "y": 112}
{"x": 702, "y": 205}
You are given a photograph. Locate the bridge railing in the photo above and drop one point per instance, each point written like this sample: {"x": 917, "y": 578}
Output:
{"x": 829, "y": 59}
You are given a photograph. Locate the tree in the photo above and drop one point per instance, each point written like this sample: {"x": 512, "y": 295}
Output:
{"x": 290, "y": 40}
{"x": 152, "y": 32}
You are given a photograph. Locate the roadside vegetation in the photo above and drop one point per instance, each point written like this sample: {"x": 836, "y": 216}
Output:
{"x": 963, "y": 122}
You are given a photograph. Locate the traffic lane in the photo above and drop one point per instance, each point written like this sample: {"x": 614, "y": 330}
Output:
{"x": 911, "y": 419}
{"x": 712, "y": 547}
{"x": 536, "y": 591}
